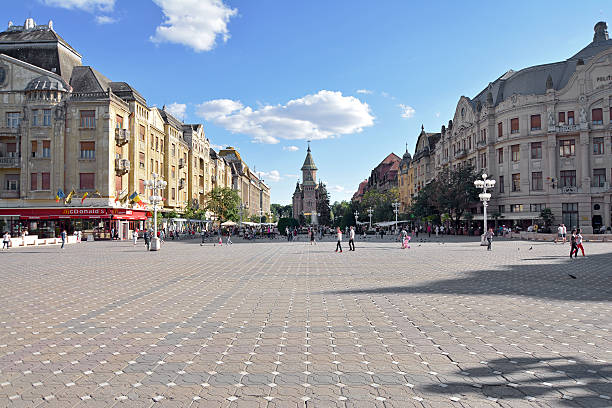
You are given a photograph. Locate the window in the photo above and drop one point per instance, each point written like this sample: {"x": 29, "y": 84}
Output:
{"x": 567, "y": 178}
{"x": 87, "y": 181}
{"x": 561, "y": 118}
{"x": 536, "y": 122}
{"x": 141, "y": 133}
{"x": 499, "y": 129}
{"x": 46, "y": 149}
{"x": 597, "y": 116}
{"x": 536, "y": 150}
{"x": 500, "y": 155}
{"x": 501, "y": 184}
{"x": 536, "y": 207}
{"x": 118, "y": 183}
{"x": 157, "y": 144}
{"x": 151, "y": 168}
{"x": 141, "y": 160}
{"x": 34, "y": 148}
{"x": 536, "y": 181}
{"x": 569, "y": 214}
{"x": 516, "y": 207}
{"x": 88, "y": 119}
{"x": 173, "y": 172}
{"x": 516, "y": 152}
{"x": 156, "y": 166}
{"x": 516, "y": 182}
{"x": 119, "y": 122}
{"x": 11, "y": 149}
{"x": 567, "y": 147}
{"x": 570, "y": 117}
{"x": 12, "y": 119}
{"x": 501, "y": 209}
{"x": 173, "y": 193}
{"x": 35, "y": 117}
{"x": 12, "y": 182}
{"x": 483, "y": 160}
{"x": 599, "y": 177}
{"x": 173, "y": 151}
{"x": 598, "y": 145}
{"x": 141, "y": 188}
{"x": 46, "y": 117}
{"x": 34, "y": 181}
{"x": 46, "y": 181}
{"x": 514, "y": 125}
{"x": 88, "y": 150}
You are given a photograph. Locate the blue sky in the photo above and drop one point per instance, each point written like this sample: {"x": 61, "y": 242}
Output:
{"x": 357, "y": 77}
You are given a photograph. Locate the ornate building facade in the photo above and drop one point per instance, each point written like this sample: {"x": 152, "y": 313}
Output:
{"x": 544, "y": 133}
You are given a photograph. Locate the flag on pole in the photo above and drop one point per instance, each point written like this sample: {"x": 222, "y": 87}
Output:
{"x": 60, "y": 194}
{"x": 135, "y": 198}
{"x": 84, "y": 197}
{"x": 68, "y": 198}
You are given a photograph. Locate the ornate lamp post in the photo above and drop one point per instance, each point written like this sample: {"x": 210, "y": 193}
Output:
{"x": 370, "y": 212}
{"x": 356, "y": 217}
{"x": 484, "y": 184}
{"x": 156, "y": 184}
{"x": 396, "y": 207}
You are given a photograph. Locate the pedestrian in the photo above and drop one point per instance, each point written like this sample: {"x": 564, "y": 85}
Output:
{"x": 352, "y": 239}
{"x": 574, "y": 247}
{"x": 63, "y": 235}
{"x": 312, "y": 236}
{"x": 135, "y": 236}
{"x": 564, "y": 232}
{"x": 6, "y": 240}
{"x": 147, "y": 239}
{"x": 429, "y": 230}
{"x": 437, "y": 230}
{"x": 339, "y": 243}
{"x": 579, "y": 242}
{"x": 559, "y": 233}
{"x": 229, "y": 236}
{"x": 489, "y": 237}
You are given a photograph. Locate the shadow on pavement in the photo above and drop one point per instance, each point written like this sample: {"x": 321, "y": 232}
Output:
{"x": 573, "y": 382}
{"x": 593, "y": 283}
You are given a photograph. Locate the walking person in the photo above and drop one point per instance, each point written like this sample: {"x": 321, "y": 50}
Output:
{"x": 339, "y": 243}
{"x": 312, "y": 236}
{"x": 229, "y": 236}
{"x": 135, "y": 235}
{"x": 352, "y": 239}
{"x": 579, "y": 242}
{"x": 559, "y": 233}
{"x": 6, "y": 240}
{"x": 489, "y": 237}
{"x": 63, "y": 236}
{"x": 574, "y": 247}
{"x": 147, "y": 239}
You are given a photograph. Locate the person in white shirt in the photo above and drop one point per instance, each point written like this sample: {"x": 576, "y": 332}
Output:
{"x": 6, "y": 240}
{"x": 559, "y": 233}
{"x": 564, "y": 233}
{"x": 352, "y": 239}
{"x": 339, "y": 244}
{"x": 135, "y": 236}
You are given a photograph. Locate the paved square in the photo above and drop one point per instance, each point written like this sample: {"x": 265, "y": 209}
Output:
{"x": 288, "y": 324}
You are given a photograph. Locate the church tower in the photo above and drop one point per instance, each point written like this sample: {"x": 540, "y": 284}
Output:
{"x": 305, "y": 195}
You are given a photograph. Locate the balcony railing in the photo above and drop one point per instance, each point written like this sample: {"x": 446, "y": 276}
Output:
{"x": 9, "y": 131}
{"x": 461, "y": 153}
{"x": 481, "y": 143}
{"x": 9, "y": 193}
{"x": 568, "y": 128}
{"x": 10, "y": 162}
{"x": 599, "y": 187}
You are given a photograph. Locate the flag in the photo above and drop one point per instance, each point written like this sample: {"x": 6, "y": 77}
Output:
{"x": 68, "y": 198}
{"x": 84, "y": 197}
{"x": 135, "y": 198}
{"x": 60, "y": 194}
{"x": 124, "y": 199}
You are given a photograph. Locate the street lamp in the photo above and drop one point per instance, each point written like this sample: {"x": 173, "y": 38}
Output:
{"x": 356, "y": 217}
{"x": 370, "y": 212}
{"x": 156, "y": 184}
{"x": 484, "y": 184}
{"x": 396, "y": 210}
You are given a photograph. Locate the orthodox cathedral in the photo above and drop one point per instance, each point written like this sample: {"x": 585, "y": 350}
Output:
{"x": 307, "y": 195}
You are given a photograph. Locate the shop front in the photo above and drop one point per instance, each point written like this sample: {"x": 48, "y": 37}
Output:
{"x": 96, "y": 223}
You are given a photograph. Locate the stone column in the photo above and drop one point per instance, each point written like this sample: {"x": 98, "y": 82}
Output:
{"x": 551, "y": 149}
{"x": 585, "y": 167}
{"x": 606, "y": 210}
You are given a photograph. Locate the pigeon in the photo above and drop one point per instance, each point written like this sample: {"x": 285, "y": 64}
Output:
{"x": 571, "y": 276}
{"x": 530, "y": 248}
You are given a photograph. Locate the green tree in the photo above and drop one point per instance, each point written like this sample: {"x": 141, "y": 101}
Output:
{"x": 456, "y": 192}
{"x": 547, "y": 216}
{"x": 287, "y": 222}
{"x": 224, "y": 203}
{"x": 323, "y": 207}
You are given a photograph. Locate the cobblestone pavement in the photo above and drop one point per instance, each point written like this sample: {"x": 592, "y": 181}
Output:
{"x": 288, "y": 324}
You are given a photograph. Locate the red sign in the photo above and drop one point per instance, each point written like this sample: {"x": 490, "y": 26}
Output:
{"x": 75, "y": 213}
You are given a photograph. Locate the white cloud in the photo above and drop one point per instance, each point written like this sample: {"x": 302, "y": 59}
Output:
{"x": 177, "y": 110}
{"x": 87, "y": 5}
{"x": 323, "y": 115}
{"x": 407, "y": 111}
{"x": 194, "y": 23}
{"x": 337, "y": 189}
{"x": 387, "y": 95}
{"x": 437, "y": 114}
{"x": 272, "y": 175}
{"x": 218, "y": 147}
{"x": 291, "y": 148}
{"x": 364, "y": 91}
{"x": 106, "y": 20}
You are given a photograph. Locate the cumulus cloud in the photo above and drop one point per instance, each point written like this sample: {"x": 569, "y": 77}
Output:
{"x": 364, "y": 91}
{"x": 194, "y": 23}
{"x": 407, "y": 111}
{"x": 272, "y": 175}
{"x": 87, "y": 5}
{"x": 177, "y": 110}
{"x": 106, "y": 20}
{"x": 323, "y": 115}
{"x": 291, "y": 148}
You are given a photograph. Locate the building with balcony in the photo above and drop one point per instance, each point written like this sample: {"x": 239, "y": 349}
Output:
{"x": 544, "y": 133}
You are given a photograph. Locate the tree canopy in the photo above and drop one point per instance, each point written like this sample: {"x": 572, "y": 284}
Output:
{"x": 224, "y": 202}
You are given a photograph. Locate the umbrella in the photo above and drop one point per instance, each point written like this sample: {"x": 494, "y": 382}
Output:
{"x": 228, "y": 224}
